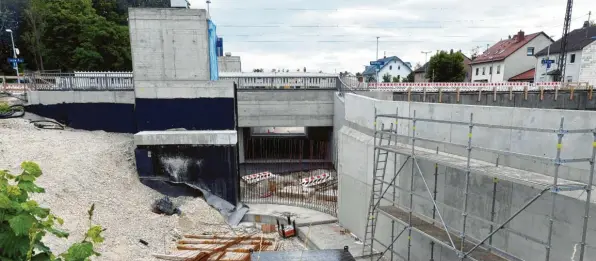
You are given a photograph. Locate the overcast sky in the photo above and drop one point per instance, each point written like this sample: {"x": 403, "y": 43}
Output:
{"x": 340, "y": 35}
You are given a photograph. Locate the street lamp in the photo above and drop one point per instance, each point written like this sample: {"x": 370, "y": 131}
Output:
{"x": 14, "y": 52}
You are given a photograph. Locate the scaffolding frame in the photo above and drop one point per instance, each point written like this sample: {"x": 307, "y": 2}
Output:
{"x": 468, "y": 248}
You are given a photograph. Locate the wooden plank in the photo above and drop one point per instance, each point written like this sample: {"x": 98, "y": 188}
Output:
{"x": 223, "y": 241}
{"x": 178, "y": 255}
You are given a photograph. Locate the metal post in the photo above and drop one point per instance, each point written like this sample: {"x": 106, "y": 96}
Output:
{"x": 432, "y": 243}
{"x": 395, "y": 174}
{"x": 14, "y": 52}
{"x": 554, "y": 189}
{"x": 411, "y": 185}
{"x": 588, "y": 199}
{"x": 392, "y": 237}
{"x": 467, "y": 186}
{"x": 492, "y": 208}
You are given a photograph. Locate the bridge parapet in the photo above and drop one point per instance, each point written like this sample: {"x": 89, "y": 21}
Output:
{"x": 80, "y": 81}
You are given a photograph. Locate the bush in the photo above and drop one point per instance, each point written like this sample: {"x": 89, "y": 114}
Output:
{"x": 23, "y": 223}
{"x": 4, "y": 108}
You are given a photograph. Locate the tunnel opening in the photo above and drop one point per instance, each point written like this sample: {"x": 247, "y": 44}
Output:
{"x": 290, "y": 166}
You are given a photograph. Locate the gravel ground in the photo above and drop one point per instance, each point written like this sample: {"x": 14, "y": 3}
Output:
{"x": 94, "y": 167}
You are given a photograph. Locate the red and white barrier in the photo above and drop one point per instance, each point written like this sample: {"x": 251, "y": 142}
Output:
{"x": 467, "y": 86}
{"x": 257, "y": 177}
{"x": 315, "y": 180}
{"x": 13, "y": 87}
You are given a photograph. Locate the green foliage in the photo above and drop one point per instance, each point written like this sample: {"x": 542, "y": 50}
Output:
{"x": 387, "y": 78}
{"x": 23, "y": 223}
{"x": 409, "y": 78}
{"x": 396, "y": 79}
{"x": 4, "y": 107}
{"x": 446, "y": 67}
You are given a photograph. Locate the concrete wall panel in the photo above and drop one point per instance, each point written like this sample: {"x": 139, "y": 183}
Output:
{"x": 285, "y": 108}
{"x": 355, "y": 141}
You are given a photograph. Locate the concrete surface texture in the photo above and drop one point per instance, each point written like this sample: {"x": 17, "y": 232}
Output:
{"x": 355, "y": 167}
{"x": 219, "y": 137}
{"x": 285, "y": 108}
{"x": 170, "y": 51}
{"x": 580, "y": 100}
{"x": 229, "y": 64}
{"x": 58, "y": 97}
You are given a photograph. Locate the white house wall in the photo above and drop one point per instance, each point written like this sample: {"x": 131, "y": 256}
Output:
{"x": 571, "y": 69}
{"x": 495, "y": 77}
{"x": 587, "y": 71}
{"x": 395, "y": 68}
{"x": 519, "y": 61}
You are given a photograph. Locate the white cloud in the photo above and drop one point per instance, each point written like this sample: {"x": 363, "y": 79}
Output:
{"x": 342, "y": 34}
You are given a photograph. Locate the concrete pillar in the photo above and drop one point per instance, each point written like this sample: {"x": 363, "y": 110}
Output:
{"x": 241, "y": 144}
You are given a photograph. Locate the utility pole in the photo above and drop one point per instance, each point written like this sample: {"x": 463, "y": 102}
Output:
{"x": 208, "y": 3}
{"x": 425, "y": 61}
{"x": 14, "y": 52}
{"x": 378, "y": 47}
{"x": 378, "y": 69}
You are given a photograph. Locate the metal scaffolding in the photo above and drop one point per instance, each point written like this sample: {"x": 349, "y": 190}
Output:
{"x": 437, "y": 230}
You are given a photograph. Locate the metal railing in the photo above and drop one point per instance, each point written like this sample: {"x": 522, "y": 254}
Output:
{"x": 282, "y": 82}
{"x": 295, "y": 172}
{"x": 80, "y": 81}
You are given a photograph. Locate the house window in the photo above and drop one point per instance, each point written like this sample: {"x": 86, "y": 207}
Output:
{"x": 399, "y": 67}
{"x": 483, "y": 70}
{"x": 490, "y": 70}
{"x": 572, "y": 58}
{"x": 390, "y": 67}
{"x": 530, "y": 51}
{"x": 477, "y": 69}
{"x": 498, "y": 69}
{"x": 569, "y": 78}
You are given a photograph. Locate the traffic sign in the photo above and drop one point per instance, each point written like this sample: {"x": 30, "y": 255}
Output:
{"x": 377, "y": 63}
{"x": 545, "y": 61}
{"x": 16, "y": 60}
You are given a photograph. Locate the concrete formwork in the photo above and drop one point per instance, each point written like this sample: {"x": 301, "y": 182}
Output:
{"x": 355, "y": 167}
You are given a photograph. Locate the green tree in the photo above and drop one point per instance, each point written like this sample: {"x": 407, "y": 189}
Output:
{"x": 446, "y": 67}
{"x": 359, "y": 76}
{"x": 23, "y": 223}
{"x": 409, "y": 78}
{"x": 387, "y": 77}
{"x": 75, "y": 37}
{"x": 112, "y": 10}
{"x": 396, "y": 79}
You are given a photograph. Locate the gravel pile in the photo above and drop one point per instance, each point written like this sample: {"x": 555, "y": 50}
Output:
{"x": 94, "y": 167}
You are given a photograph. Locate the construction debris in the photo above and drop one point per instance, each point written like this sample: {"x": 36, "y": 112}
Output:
{"x": 207, "y": 247}
{"x": 164, "y": 206}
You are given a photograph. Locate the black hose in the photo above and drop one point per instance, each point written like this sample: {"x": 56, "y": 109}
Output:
{"x": 14, "y": 111}
{"x": 53, "y": 125}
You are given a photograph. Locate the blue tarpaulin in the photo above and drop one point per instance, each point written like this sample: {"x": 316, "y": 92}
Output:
{"x": 213, "y": 51}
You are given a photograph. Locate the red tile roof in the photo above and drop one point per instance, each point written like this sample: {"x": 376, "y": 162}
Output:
{"x": 525, "y": 76}
{"x": 504, "y": 48}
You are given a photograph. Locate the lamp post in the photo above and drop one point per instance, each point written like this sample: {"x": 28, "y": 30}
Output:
{"x": 14, "y": 52}
{"x": 378, "y": 69}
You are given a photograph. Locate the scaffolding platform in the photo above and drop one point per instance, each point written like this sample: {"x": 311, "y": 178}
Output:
{"x": 436, "y": 234}
{"x": 484, "y": 168}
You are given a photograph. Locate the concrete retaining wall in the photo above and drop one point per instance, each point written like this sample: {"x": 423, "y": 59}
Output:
{"x": 285, "y": 108}
{"x": 355, "y": 166}
{"x": 580, "y": 100}
{"x": 111, "y": 111}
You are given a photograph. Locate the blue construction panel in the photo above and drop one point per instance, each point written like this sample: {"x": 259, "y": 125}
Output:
{"x": 110, "y": 117}
{"x": 144, "y": 162}
{"x": 213, "y": 168}
{"x": 190, "y": 114}
{"x": 213, "y": 51}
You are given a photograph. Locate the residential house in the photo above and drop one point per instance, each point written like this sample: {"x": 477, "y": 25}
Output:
{"x": 419, "y": 74}
{"x": 509, "y": 58}
{"x": 391, "y": 65}
{"x": 580, "y": 64}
